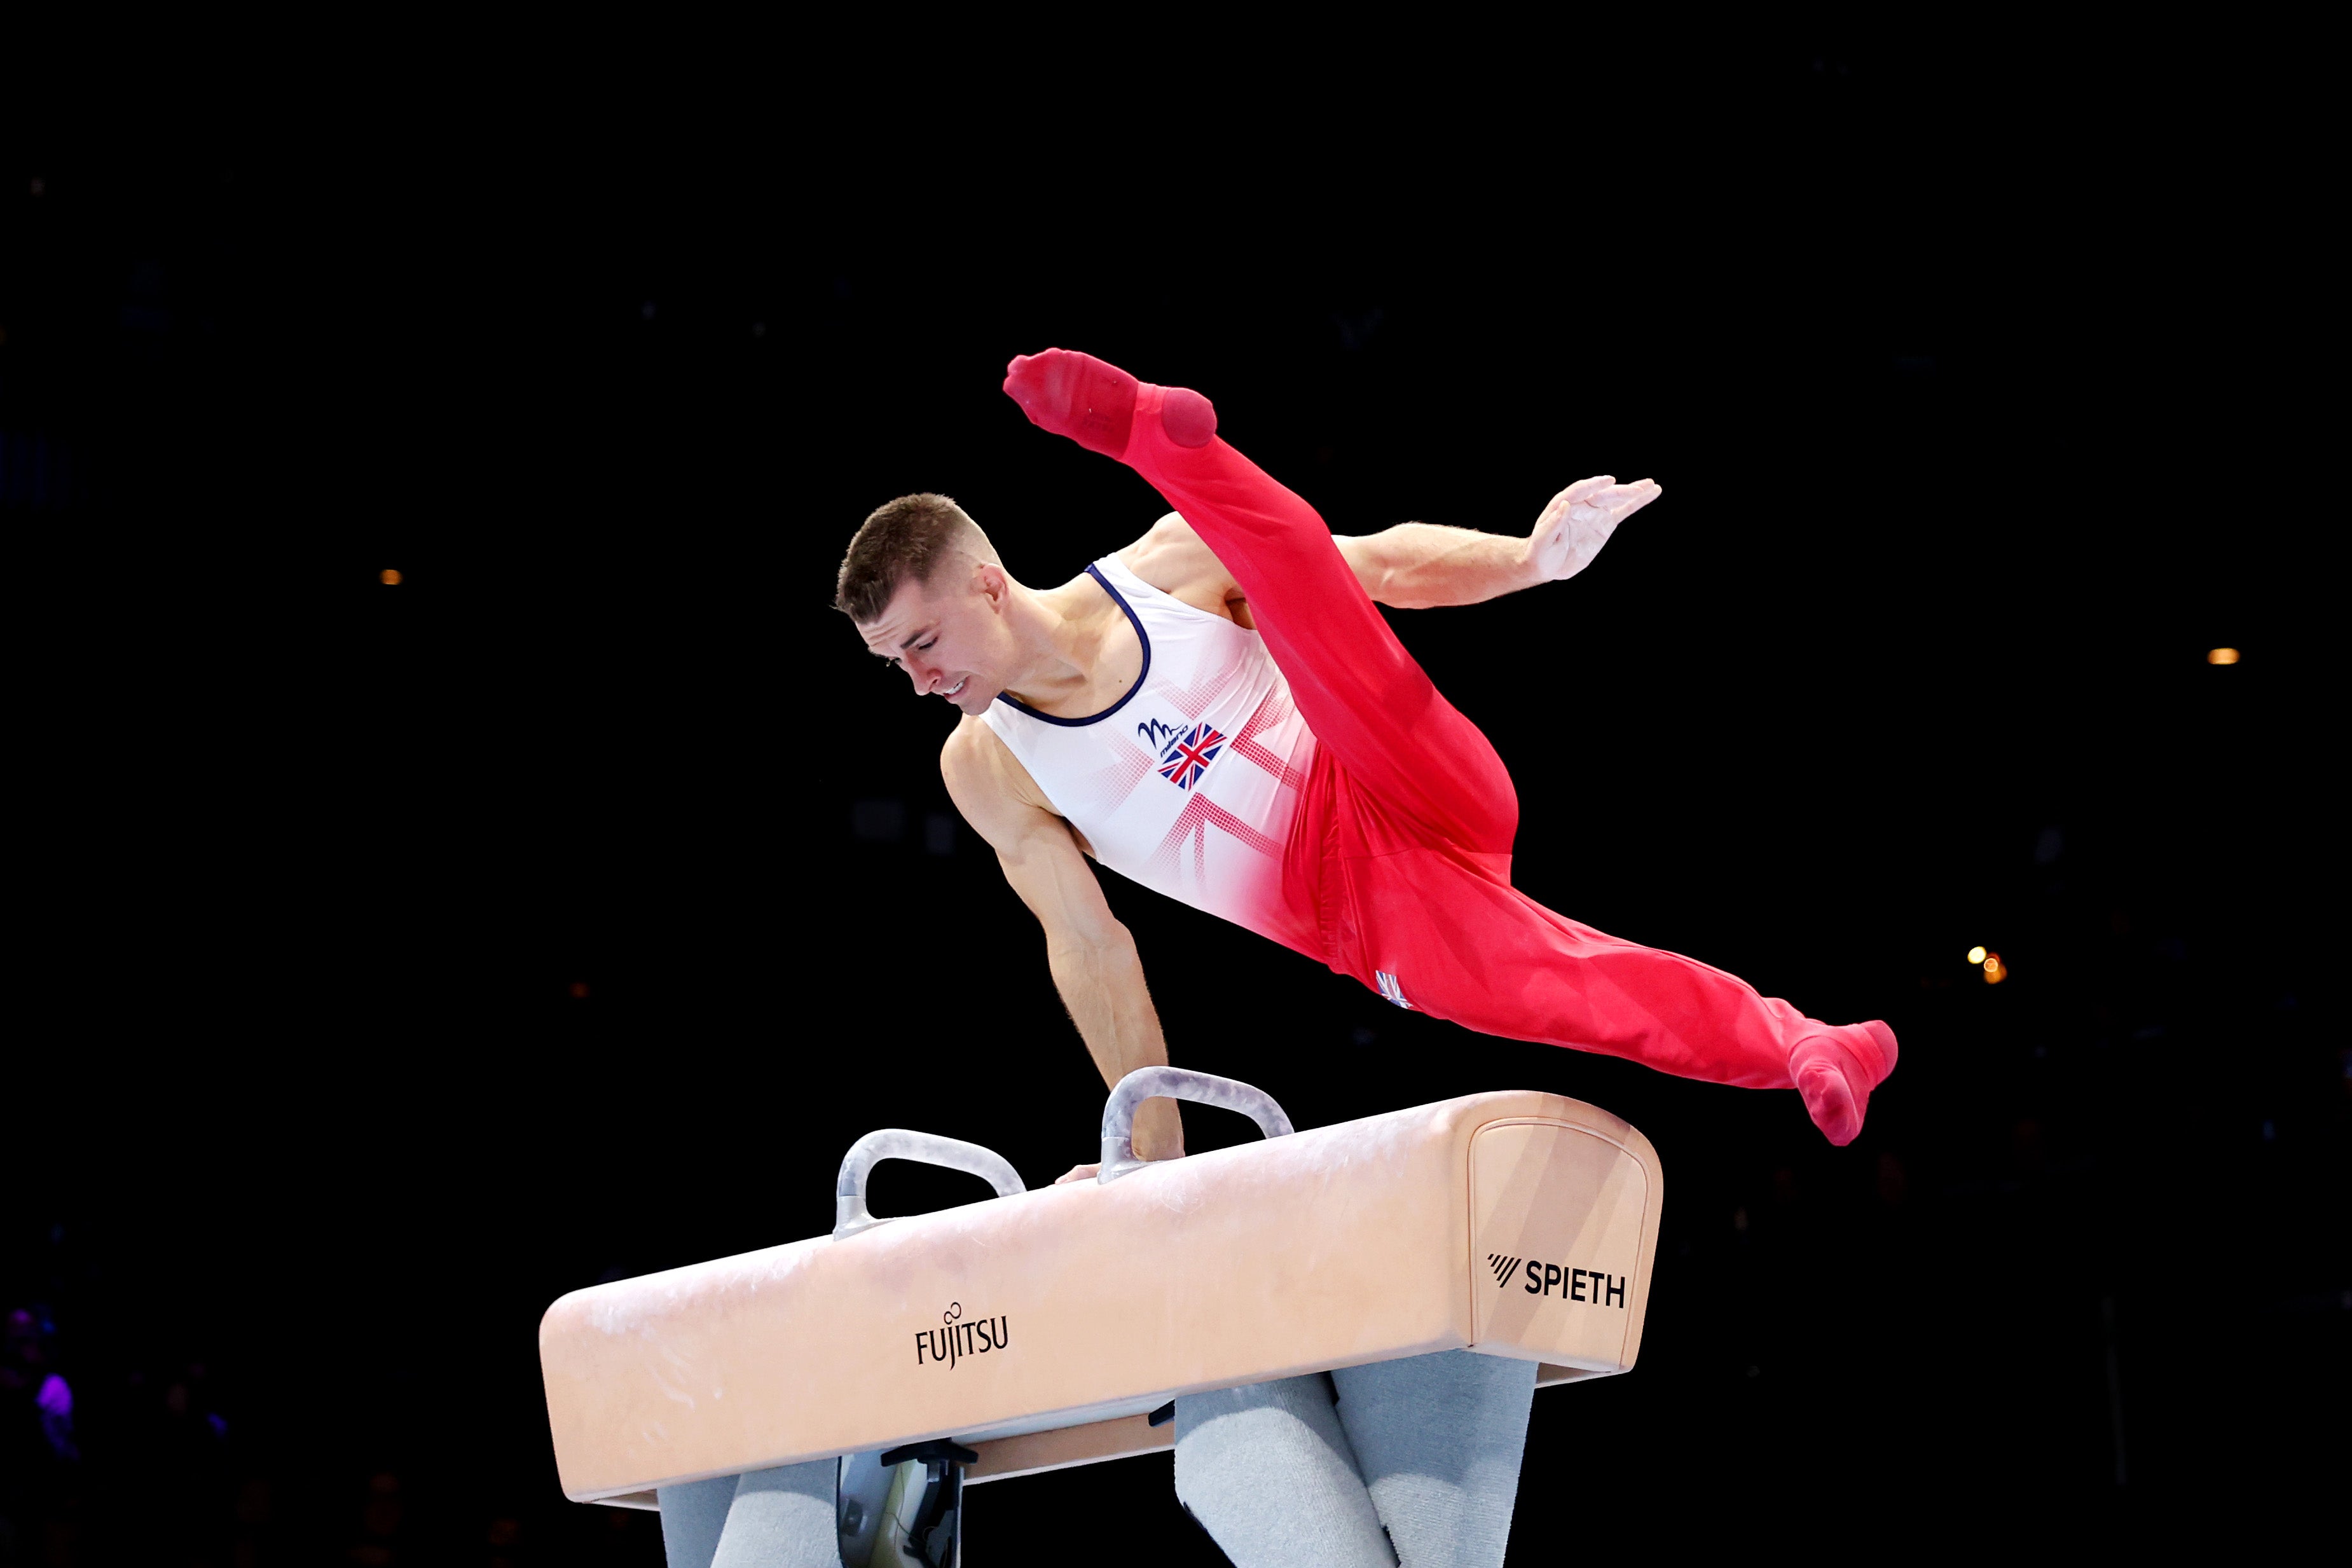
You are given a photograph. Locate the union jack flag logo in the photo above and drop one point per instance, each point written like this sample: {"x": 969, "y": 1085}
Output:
{"x": 1391, "y": 990}
{"x": 1188, "y": 756}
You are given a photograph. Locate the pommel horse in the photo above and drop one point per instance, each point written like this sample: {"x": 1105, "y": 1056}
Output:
{"x": 1039, "y": 1329}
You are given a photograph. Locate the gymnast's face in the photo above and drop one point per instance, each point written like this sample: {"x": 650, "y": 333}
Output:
{"x": 949, "y": 636}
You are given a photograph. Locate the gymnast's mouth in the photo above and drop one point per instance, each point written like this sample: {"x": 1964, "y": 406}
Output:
{"x": 951, "y": 692}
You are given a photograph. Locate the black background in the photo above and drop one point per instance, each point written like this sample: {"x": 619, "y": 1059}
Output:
{"x": 398, "y": 958}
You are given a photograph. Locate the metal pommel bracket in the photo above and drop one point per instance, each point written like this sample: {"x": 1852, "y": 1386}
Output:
{"x": 1177, "y": 1083}
{"x": 849, "y": 1212}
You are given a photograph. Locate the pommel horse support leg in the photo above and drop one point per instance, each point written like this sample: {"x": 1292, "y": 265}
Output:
{"x": 1416, "y": 1460}
{"x": 1044, "y": 1329}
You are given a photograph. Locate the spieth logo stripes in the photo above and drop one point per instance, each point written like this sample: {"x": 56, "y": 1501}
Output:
{"x": 1502, "y": 1267}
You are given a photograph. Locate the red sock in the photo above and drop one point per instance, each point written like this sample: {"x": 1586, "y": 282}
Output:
{"x": 1835, "y": 1073}
{"x": 1093, "y": 402}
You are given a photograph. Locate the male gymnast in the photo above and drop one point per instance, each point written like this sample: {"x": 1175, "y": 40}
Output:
{"x": 1218, "y": 711}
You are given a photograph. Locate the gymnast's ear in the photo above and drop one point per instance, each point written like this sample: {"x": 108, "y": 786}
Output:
{"x": 989, "y": 581}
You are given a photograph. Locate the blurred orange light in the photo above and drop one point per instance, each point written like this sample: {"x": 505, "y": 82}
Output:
{"x": 580, "y": 988}
{"x": 1995, "y": 971}
{"x": 1976, "y": 956}
{"x": 390, "y": 577}
{"x": 2222, "y": 656}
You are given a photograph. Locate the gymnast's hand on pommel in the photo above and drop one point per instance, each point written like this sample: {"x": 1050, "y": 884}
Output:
{"x": 1580, "y": 521}
{"x": 1159, "y": 1135}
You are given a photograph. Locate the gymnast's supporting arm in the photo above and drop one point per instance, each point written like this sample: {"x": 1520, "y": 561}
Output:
{"x": 1092, "y": 955}
{"x": 1424, "y": 565}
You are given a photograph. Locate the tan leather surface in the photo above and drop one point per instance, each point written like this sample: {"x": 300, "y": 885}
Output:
{"x": 1337, "y": 1246}
{"x": 1517, "y": 1168}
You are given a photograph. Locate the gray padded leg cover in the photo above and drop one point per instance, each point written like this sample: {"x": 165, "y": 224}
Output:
{"x": 1438, "y": 1440}
{"x": 691, "y": 1518}
{"x": 783, "y": 1517}
{"x": 1268, "y": 1473}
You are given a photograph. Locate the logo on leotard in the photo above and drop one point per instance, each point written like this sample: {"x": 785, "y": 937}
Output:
{"x": 1187, "y": 756}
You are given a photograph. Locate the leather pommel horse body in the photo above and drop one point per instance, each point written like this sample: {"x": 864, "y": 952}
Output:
{"x": 1040, "y": 1327}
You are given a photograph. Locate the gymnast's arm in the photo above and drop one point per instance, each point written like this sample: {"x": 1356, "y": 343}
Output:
{"x": 1423, "y": 566}
{"x": 1091, "y": 954}
{"x": 1414, "y": 565}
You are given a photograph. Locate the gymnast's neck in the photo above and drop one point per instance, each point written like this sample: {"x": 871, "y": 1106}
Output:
{"x": 1058, "y": 636}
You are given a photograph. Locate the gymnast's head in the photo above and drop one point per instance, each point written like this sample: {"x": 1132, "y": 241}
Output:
{"x": 926, "y": 591}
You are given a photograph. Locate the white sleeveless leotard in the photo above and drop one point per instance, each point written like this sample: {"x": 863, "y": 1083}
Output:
{"x": 1190, "y": 783}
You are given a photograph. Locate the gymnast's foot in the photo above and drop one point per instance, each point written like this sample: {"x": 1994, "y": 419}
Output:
{"x": 1835, "y": 1071}
{"x": 1094, "y": 403}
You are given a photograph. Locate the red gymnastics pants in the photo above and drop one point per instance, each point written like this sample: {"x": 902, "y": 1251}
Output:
{"x": 1401, "y": 854}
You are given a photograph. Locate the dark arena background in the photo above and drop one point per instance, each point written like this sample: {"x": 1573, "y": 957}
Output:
{"x": 394, "y": 956}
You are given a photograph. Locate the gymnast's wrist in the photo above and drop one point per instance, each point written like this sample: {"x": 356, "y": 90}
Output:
{"x": 1153, "y": 1144}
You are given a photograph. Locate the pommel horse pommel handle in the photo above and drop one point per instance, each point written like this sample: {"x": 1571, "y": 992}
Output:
{"x": 1177, "y": 1083}
{"x": 849, "y": 1212}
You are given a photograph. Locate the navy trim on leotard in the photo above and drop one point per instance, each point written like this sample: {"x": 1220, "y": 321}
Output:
{"x": 1141, "y": 636}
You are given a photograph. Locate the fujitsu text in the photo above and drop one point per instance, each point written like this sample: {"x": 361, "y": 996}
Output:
{"x": 945, "y": 1347}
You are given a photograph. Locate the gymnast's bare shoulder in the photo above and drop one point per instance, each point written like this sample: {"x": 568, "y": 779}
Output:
{"x": 997, "y": 795}
{"x": 1179, "y": 563}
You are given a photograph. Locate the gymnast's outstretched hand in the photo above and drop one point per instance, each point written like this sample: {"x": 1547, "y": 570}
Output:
{"x": 1580, "y": 521}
